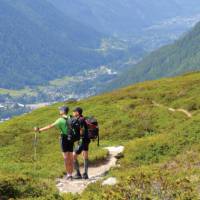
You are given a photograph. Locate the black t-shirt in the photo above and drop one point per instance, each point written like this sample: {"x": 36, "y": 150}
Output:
{"x": 83, "y": 125}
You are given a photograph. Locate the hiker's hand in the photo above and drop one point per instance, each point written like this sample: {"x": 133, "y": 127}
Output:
{"x": 36, "y": 129}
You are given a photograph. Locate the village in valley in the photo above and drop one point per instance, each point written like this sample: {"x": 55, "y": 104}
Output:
{"x": 73, "y": 88}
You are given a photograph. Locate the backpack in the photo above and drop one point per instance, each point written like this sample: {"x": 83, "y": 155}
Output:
{"x": 93, "y": 128}
{"x": 74, "y": 128}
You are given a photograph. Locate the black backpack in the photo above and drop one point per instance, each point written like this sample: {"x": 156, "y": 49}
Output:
{"x": 93, "y": 128}
{"x": 74, "y": 128}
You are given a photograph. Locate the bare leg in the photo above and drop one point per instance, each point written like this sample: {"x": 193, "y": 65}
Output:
{"x": 75, "y": 156}
{"x": 65, "y": 161}
{"x": 86, "y": 162}
{"x": 68, "y": 160}
{"x": 70, "y": 165}
{"x": 85, "y": 154}
{"x": 76, "y": 163}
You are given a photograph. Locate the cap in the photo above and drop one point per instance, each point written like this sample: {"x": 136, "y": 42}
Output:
{"x": 79, "y": 110}
{"x": 64, "y": 109}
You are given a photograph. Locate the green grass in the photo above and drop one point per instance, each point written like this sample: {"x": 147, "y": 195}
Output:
{"x": 18, "y": 93}
{"x": 61, "y": 82}
{"x": 154, "y": 139}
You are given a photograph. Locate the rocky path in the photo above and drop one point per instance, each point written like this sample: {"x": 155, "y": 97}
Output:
{"x": 95, "y": 172}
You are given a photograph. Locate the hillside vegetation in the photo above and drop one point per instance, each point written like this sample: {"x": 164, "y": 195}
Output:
{"x": 161, "y": 158}
{"x": 180, "y": 57}
{"x": 38, "y": 39}
{"x": 56, "y": 38}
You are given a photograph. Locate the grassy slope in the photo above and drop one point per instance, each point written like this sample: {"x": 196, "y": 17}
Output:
{"x": 161, "y": 151}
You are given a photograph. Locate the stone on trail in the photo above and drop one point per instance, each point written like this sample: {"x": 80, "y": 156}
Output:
{"x": 110, "y": 181}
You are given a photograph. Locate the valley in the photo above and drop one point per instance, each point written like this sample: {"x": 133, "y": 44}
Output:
{"x": 128, "y": 52}
{"x": 68, "y": 65}
{"x": 80, "y": 86}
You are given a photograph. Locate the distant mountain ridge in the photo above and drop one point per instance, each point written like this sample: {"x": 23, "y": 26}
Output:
{"x": 125, "y": 17}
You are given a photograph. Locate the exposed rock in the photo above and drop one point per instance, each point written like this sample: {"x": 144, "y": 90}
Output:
{"x": 110, "y": 181}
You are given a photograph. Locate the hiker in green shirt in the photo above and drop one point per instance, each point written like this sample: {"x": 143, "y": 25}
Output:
{"x": 66, "y": 141}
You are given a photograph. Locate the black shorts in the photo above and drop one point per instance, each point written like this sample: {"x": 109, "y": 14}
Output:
{"x": 83, "y": 146}
{"x": 66, "y": 145}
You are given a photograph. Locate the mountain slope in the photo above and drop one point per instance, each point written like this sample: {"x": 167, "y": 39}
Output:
{"x": 40, "y": 38}
{"x": 180, "y": 57}
{"x": 37, "y": 39}
{"x": 125, "y": 17}
{"x": 164, "y": 145}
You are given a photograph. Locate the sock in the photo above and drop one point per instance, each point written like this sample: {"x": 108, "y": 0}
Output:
{"x": 76, "y": 166}
{"x": 69, "y": 175}
{"x": 86, "y": 163}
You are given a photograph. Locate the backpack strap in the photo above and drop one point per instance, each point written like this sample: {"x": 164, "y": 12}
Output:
{"x": 82, "y": 118}
{"x": 67, "y": 122}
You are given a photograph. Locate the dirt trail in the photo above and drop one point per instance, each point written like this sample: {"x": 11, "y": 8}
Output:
{"x": 96, "y": 173}
{"x": 186, "y": 112}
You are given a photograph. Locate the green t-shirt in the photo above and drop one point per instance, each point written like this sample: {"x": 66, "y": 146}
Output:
{"x": 61, "y": 125}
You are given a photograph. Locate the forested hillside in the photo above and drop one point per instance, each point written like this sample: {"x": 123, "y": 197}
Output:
{"x": 171, "y": 60}
{"x": 38, "y": 43}
{"x": 54, "y": 39}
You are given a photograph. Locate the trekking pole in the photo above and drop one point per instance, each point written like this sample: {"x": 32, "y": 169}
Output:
{"x": 35, "y": 147}
{"x": 35, "y": 150}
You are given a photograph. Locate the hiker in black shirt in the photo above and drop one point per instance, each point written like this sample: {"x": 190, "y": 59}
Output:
{"x": 83, "y": 145}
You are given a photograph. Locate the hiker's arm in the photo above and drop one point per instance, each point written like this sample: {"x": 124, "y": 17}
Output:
{"x": 44, "y": 128}
{"x": 55, "y": 124}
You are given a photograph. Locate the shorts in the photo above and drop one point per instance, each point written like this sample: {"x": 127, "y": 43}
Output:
{"x": 83, "y": 146}
{"x": 66, "y": 145}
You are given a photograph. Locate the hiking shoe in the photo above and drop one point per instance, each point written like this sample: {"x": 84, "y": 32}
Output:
{"x": 85, "y": 176}
{"x": 77, "y": 176}
{"x": 69, "y": 178}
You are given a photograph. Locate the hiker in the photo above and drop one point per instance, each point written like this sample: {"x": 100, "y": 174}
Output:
{"x": 66, "y": 141}
{"x": 83, "y": 145}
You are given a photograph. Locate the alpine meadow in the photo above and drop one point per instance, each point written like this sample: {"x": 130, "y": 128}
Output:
{"x": 161, "y": 157}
